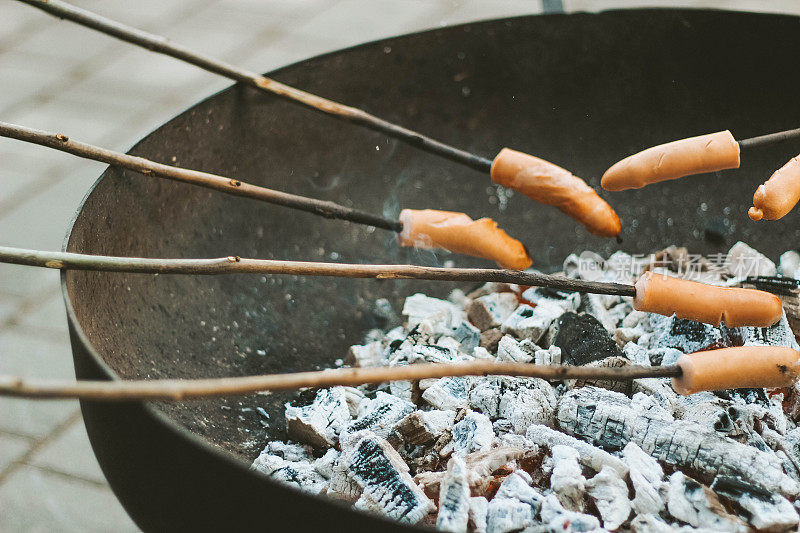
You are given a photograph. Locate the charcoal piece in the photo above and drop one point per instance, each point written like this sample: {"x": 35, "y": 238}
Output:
{"x": 478, "y": 508}
{"x": 454, "y": 498}
{"x": 366, "y": 355}
{"x": 652, "y": 523}
{"x": 468, "y": 336}
{"x": 623, "y": 336}
{"x": 422, "y": 427}
{"x": 324, "y": 465}
{"x": 559, "y": 519}
{"x": 779, "y": 334}
{"x": 583, "y": 339}
{"x": 515, "y": 505}
{"x": 744, "y": 261}
{"x": 569, "y": 301}
{"x": 590, "y": 456}
{"x": 480, "y": 466}
{"x": 697, "y": 505}
{"x": 443, "y": 317}
{"x": 764, "y": 510}
{"x": 647, "y": 478}
{"x": 566, "y": 478}
{"x": 527, "y": 401}
{"x": 485, "y": 395}
{"x": 528, "y": 322}
{"x": 491, "y": 310}
{"x": 289, "y": 451}
{"x": 492, "y": 287}
{"x": 320, "y": 422}
{"x": 378, "y": 415}
{"x": 511, "y": 351}
{"x": 451, "y": 393}
{"x": 473, "y": 433}
{"x": 550, "y": 356}
{"x": 354, "y": 398}
{"x": 609, "y": 362}
{"x": 609, "y": 492}
{"x": 490, "y": 339}
{"x": 685, "y": 335}
{"x": 594, "y": 304}
{"x": 300, "y": 474}
{"x": 382, "y": 475}
{"x": 611, "y": 420}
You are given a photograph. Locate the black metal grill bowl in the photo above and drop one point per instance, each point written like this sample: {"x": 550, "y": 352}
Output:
{"x": 580, "y": 90}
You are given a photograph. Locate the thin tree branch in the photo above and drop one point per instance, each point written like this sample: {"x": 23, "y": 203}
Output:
{"x": 238, "y": 265}
{"x": 181, "y": 389}
{"x": 235, "y": 187}
{"x": 162, "y": 45}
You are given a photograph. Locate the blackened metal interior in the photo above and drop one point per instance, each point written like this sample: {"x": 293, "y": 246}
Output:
{"x": 580, "y": 90}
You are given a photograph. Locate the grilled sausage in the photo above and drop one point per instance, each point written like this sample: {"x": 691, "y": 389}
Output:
{"x": 550, "y": 184}
{"x": 779, "y": 194}
{"x": 695, "y": 155}
{"x": 458, "y": 233}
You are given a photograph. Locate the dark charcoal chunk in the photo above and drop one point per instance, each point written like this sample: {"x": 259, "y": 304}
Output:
{"x": 583, "y": 339}
{"x": 490, "y": 339}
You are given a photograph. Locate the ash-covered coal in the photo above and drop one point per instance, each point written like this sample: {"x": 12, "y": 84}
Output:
{"x": 502, "y": 454}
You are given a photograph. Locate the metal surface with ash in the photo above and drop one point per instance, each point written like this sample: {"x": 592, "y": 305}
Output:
{"x": 567, "y": 88}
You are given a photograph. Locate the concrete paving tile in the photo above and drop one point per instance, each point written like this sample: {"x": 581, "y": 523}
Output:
{"x": 36, "y": 500}
{"x": 29, "y": 356}
{"x": 49, "y": 315}
{"x": 350, "y": 22}
{"x": 27, "y": 281}
{"x": 42, "y": 221}
{"x": 70, "y": 453}
{"x": 12, "y": 447}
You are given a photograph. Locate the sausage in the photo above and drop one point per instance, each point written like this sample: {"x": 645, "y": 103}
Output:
{"x": 695, "y": 155}
{"x": 736, "y": 368}
{"x": 550, "y": 184}
{"x": 779, "y": 194}
{"x": 665, "y": 295}
{"x": 458, "y": 233}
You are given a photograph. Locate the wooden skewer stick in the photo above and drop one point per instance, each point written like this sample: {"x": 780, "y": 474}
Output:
{"x": 162, "y": 45}
{"x": 238, "y": 265}
{"x": 235, "y": 187}
{"x": 181, "y": 389}
{"x": 772, "y": 138}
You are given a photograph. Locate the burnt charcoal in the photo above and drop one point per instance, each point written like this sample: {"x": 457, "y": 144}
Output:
{"x": 478, "y": 508}
{"x": 319, "y": 422}
{"x": 610, "y": 362}
{"x": 566, "y": 478}
{"x": 559, "y": 519}
{"x": 609, "y": 492}
{"x": 490, "y": 339}
{"x": 647, "y": 479}
{"x": 611, "y": 420}
{"x": 454, "y": 498}
{"x": 590, "y": 456}
{"x": 697, "y": 505}
{"x": 583, "y": 339}
{"x": 764, "y": 510}
{"x": 685, "y": 335}
{"x": 492, "y": 310}
{"x": 300, "y": 474}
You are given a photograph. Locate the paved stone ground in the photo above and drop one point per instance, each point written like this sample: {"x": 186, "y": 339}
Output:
{"x": 55, "y": 75}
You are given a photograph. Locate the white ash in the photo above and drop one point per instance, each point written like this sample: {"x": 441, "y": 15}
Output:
{"x": 744, "y": 261}
{"x": 443, "y": 316}
{"x": 378, "y": 415}
{"x": 366, "y": 355}
{"x": 566, "y": 478}
{"x": 609, "y": 492}
{"x": 590, "y": 456}
{"x": 695, "y": 504}
{"x": 502, "y": 436}
{"x": 764, "y": 510}
{"x": 528, "y": 322}
{"x": 647, "y": 478}
{"x": 789, "y": 264}
{"x": 514, "y": 507}
{"x": 492, "y": 310}
{"x": 558, "y": 518}
{"x": 511, "y": 351}
{"x": 526, "y": 402}
{"x": 450, "y": 393}
{"x": 611, "y": 420}
{"x": 300, "y": 474}
{"x": 422, "y": 427}
{"x": 382, "y": 475}
{"x": 473, "y": 433}
{"x": 478, "y": 509}
{"x": 454, "y": 498}
{"x": 320, "y": 422}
